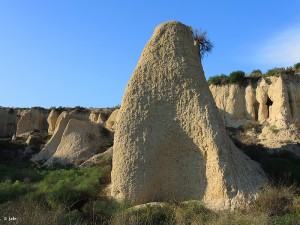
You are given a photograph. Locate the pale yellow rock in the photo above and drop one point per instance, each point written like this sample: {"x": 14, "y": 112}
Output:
{"x": 80, "y": 141}
{"x": 31, "y": 120}
{"x": 52, "y": 120}
{"x": 102, "y": 118}
{"x": 112, "y": 120}
{"x": 279, "y": 112}
{"x": 8, "y": 122}
{"x": 61, "y": 123}
{"x": 230, "y": 99}
{"x": 95, "y": 160}
{"x": 94, "y": 116}
{"x": 170, "y": 142}
{"x": 251, "y": 103}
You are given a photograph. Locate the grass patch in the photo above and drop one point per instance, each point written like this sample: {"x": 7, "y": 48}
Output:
{"x": 69, "y": 188}
{"x": 10, "y": 191}
{"x": 19, "y": 170}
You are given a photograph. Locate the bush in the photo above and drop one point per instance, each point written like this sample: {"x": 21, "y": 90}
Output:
{"x": 274, "y": 200}
{"x": 271, "y": 72}
{"x": 10, "y": 191}
{"x": 256, "y": 73}
{"x": 297, "y": 66}
{"x": 237, "y": 77}
{"x": 69, "y": 188}
{"x": 218, "y": 80}
{"x": 103, "y": 210}
{"x": 19, "y": 171}
{"x": 146, "y": 215}
{"x": 193, "y": 212}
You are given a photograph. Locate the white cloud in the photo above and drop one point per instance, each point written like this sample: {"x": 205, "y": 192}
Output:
{"x": 283, "y": 49}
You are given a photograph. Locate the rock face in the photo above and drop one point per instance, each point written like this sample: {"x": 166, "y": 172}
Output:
{"x": 52, "y": 120}
{"x": 80, "y": 141}
{"x": 111, "y": 122}
{"x": 272, "y": 100}
{"x": 95, "y": 160}
{"x": 94, "y": 116}
{"x": 170, "y": 142}
{"x": 8, "y": 122}
{"x": 34, "y": 119}
{"x": 52, "y": 145}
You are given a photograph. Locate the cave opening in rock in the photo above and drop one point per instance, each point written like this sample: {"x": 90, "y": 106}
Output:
{"x": 256, "y": 106}
{"x": 269, "y": 103}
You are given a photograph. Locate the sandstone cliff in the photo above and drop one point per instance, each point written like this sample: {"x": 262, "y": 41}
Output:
{"x": 34, "y": 119}
{"x": 61, "y": 123}
{"x": 273, "y": 100}
{"x": 80, "y": 141}
{"x": 170, "y": 142}
{"x": 8, "y": 121}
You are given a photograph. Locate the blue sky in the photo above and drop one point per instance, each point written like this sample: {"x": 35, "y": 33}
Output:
{"x": 71, "y": 52}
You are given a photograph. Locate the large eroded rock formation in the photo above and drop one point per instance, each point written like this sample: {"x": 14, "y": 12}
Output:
{"x": 80, "y": 141}
{"x": 8, "y": 121}
{"x": 170, "y": 142}
{"x": 34, "y": 119}
{"x": 272, "y": 100}
{"x": 52, "y": 145}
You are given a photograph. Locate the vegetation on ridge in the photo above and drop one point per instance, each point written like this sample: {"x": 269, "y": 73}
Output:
{"x": 240, "y": 76}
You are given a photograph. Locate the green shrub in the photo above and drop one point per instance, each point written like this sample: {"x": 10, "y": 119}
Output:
{"x": 19, "y": 171}
{"x": 103, "y": 210}
{"x": 146, "y": 215}
{"x": 256, "y": 73}
{"x": 79, "y": 109}
{"x": 38, "y": 108}
{"x": 271, "y": 72}
{"x": 218, "y": 80}
{"x": 297, "y": 66}
{"x": 237, "y": 77}
{"x": 193, "y": 212}
{"x": 69, "y": 187}
{"x": 10, "y": 191}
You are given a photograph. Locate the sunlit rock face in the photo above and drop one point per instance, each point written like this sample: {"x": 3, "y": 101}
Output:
{"x": 170, "y": 142}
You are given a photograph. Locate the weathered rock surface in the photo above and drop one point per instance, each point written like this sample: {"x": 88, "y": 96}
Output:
{"x": 170, "y": 142}
{"x": 34, "y": 119}
{"x": 96, "y": 159}
{"x": 52, "y": 145}
{"x": 94, "y": 116}
{"x": 272, "y": 100}
{"x": 80, "y": 141}
{"x": 8, "y": 122}
{"x": 112, "y": 120}
{"x": 52, "y": 120}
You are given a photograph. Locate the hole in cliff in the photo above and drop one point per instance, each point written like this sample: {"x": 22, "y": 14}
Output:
{"x": 256, "y": 106}
{"x": 269, "y": 104}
